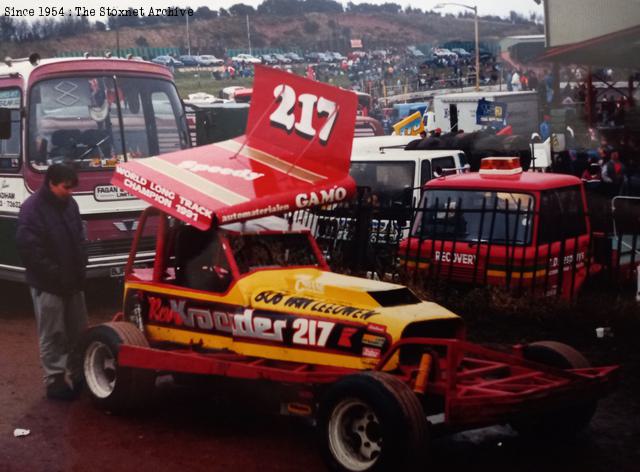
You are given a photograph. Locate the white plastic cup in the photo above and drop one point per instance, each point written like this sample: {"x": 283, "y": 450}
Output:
{"x": 600, "y": 333}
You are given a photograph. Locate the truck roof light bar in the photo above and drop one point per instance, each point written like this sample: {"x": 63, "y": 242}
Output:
{"x": 500, "y": 166}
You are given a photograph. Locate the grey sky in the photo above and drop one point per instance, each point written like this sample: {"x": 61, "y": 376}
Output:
{"x": 485, "y": 7}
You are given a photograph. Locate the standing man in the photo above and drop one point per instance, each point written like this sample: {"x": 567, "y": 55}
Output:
{"x": 50, "y": 240}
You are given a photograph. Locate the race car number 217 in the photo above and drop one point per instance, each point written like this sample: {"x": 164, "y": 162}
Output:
{"x": 283, "y": 116}
{"x": 311, "y": 332}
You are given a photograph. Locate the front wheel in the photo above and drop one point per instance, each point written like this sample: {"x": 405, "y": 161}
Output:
{"x": 570, "y": 419}
{"x": 372, "y": 422}
{"x": 113, "y": 387}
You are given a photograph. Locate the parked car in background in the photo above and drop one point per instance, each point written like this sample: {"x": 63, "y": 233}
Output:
{"x": 444, "y": 53}
{"x": 294, "y": 57}
{"x": 414, "y": 51}
{"x": 209, "y": 60}
{"x": 167, "y": 61}
{"x": 189, "y": 61}
{"x": 461, "y": 52}
{"x": 268, "y": 59}
{"x": 337, "y": 56}
{"x": 228, "y": 93}
{"x": 312, "y": 57}
{"x": 282, "y": 59}
{"x": 484, "y": 55}
{"x": 246, "y": 59}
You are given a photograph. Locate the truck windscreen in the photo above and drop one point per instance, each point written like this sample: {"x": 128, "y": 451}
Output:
{"x": 387, "y": 180}
{"x": 475, "y": 216}
{"x": 100, "y": 121}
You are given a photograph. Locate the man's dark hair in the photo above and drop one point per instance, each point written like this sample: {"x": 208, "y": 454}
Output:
{"x": 59, "y": 173}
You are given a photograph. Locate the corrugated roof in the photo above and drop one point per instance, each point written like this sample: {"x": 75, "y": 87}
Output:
{"x": 621, "y": 49}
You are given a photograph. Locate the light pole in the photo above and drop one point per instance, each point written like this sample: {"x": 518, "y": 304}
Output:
{"x": 188, "y": 36}
{"x": 475, "y": 12}
{"x": 248, "y": 34}
{"x": 117, "y": 36}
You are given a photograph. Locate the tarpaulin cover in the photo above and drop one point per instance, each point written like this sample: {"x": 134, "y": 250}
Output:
{"x": 295, "y": 155}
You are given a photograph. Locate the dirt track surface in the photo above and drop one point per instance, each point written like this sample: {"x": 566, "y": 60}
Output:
{"x": 187, "y": 429}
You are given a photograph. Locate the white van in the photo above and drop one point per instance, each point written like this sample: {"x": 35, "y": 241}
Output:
{"x": 382, "y": 163}
{"x": 394, "y": 177}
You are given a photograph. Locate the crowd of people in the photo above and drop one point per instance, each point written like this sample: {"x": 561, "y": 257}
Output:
{"x": 403, "y": 72}
{"x": 610, "y": 167}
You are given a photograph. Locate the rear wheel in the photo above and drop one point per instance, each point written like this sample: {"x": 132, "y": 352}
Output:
{"x": 111, "y": 386}
{"x": 371, "y": 422}
{"x": 572, "y": 418}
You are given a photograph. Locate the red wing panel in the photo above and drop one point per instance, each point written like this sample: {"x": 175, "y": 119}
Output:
{"x": 271, "y": 170}
{"x": 303, "y": 121}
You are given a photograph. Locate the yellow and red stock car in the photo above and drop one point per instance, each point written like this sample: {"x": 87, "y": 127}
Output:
{"x": 237, "y": 292}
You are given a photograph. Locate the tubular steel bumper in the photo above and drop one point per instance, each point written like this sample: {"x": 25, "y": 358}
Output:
{"x": 479, "y": 386}
{"x": 482, "y": 386}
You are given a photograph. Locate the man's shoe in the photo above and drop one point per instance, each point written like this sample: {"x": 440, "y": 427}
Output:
{"x": 59, "y": 390}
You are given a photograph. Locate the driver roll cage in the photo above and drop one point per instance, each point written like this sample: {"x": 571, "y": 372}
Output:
{"x": 205, "y": 260}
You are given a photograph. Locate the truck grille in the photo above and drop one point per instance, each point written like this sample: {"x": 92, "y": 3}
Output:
{"x": 118, "y": 246}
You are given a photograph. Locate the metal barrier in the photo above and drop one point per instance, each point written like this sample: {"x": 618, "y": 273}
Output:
{"x": 626, "y": 238}
{"x": 492, "y": 242}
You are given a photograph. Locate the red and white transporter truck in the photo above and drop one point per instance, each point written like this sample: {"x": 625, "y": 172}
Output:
{"x": 93, "y": 112}
{"x": 236, "y": 293}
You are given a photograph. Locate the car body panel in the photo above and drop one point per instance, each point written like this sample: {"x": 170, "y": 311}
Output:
{"x": 269, "y": 306}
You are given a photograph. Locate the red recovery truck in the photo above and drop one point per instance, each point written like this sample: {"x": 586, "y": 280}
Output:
{"x": 236, "y": 293}
{"x": 505, "y": 227}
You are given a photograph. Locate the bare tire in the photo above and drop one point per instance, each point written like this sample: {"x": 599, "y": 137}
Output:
{"x": 113, "y": 387}
{"x": 570, "y": 419}
{"x": 371, "y": 422}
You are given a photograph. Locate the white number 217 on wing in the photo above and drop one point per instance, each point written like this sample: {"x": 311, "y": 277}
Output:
{"x": 310, "y": 105}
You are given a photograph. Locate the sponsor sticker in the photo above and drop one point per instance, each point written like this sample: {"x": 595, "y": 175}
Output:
{"x": 376, "y": 328}
{"x": 373, "y": 340}
{"x": 371, "y": 352}
{"x": 311, "y": 306}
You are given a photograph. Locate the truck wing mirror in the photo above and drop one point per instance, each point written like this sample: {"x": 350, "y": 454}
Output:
{"x": 5, "y": 123}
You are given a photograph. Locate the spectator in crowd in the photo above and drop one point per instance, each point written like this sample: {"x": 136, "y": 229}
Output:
{"x": 507, "y": 79}
{"x": 613, "y": 173}
{"x": 532, "y": 80}
{"x": 548, "y": 84}
{"x": 524, "y": 82}
{"x": 593, "y": 172}
{"x": 516, "y": 85}
{"x": 545, "y": 128}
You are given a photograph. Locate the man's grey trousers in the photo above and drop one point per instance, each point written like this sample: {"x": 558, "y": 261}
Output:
{"x": 60, "y": 322}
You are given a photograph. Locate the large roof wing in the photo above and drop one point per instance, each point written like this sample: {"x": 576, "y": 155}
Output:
{"x": 295, "y": 155}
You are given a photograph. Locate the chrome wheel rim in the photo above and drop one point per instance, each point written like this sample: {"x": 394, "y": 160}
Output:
{"x": 100, "y": 369}
{"x": 355, "y": 435}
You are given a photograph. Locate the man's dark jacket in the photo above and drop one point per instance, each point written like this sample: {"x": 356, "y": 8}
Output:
{"x": 50, "y": 241}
